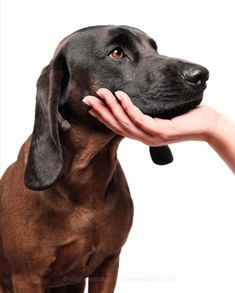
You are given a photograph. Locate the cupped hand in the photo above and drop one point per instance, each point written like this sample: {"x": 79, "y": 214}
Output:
{"x": 125, "y": 119}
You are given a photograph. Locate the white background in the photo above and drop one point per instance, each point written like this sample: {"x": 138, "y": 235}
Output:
{"x": 182, "y": 239}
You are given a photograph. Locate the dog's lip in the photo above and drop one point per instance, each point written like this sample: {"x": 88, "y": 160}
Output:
{"x": 183, "y": 108}
{"x": 190, "y": 101}
{"x": 180, "y": 109}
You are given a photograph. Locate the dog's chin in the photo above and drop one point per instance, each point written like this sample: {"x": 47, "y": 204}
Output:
{"x": 172, "y": 111}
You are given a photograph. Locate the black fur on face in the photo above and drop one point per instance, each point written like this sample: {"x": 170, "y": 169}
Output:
{"x": 160, "y": 86}
{"x": 117, "y": 58}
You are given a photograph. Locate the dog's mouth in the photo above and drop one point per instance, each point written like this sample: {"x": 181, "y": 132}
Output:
{"x": 172, "y": 109}
{"x": 176, "y": 110}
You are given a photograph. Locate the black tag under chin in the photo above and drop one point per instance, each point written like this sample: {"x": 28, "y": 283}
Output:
{"x": 161, "y": 155}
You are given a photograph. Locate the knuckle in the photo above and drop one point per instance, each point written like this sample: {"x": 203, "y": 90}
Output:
{"x": 125, "y": 107}
{"x": 163, "y": 136}
{"x": 115, "y": 127}
{"x": 138, "y": 121}
{"x": 125, "y": 124}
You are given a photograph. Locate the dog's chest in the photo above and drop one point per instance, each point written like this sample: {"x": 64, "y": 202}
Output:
{"x": 74, "y": 262}
{"x": 92, "y": 237}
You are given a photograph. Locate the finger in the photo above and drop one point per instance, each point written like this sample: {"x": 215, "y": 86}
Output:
{"x": 108, "y": 121}
{"x": 115, "y": 108}
{"x": 105, "y": 116}
{"x": 120, "y": 115}
{"x": 111, "y": 124}
{"x": 116, "y": 128}
{"x": 141, "y": 120}
{"x": 93, "y": 102}
{"x": 101, "y": 112}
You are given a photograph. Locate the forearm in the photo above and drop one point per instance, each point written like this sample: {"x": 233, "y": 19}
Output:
{"x": 222, "y": 140}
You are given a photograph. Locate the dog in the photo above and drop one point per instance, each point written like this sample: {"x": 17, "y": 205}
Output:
{"x": 65, "y": 205}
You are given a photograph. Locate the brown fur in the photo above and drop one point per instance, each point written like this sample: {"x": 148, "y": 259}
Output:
{"x": 66, "y": 233}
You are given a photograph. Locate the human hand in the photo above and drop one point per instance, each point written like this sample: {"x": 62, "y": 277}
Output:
{"x": 127, "y": 120}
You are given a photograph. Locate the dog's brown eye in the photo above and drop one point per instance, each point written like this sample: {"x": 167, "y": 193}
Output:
{"x": 117, "y": 53}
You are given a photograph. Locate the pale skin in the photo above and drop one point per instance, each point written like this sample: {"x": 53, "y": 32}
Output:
{"x": 202, "y": 123}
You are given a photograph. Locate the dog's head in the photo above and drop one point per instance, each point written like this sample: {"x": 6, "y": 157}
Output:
{"x": 114, "y": 57}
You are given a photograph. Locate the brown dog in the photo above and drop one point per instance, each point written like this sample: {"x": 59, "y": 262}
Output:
{"x": 65, "y": 205}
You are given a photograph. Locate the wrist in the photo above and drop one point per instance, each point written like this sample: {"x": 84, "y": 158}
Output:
{"x": 222, "y": 140}
{"x": 220, "y": 130}
{"x": 214, "y": 127}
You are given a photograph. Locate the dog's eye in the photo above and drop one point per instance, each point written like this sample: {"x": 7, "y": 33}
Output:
{"x": 117, "y": 53}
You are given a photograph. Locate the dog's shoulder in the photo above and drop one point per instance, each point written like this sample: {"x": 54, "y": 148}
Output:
{"x": 24, "y": 152}
{"x": 20, "y": 163}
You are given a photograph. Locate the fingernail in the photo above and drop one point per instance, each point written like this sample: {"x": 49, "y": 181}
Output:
{"x": 98, "y": 92}
{"x": 118, "y": 95}
{"x": 86, "y": 101}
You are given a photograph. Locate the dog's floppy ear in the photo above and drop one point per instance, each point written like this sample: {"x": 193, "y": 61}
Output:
{"x": 161, "y": 155}
{"x": 45, "y": 161}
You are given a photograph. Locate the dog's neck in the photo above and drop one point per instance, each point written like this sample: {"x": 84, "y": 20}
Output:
{"x": 89, "y": 162}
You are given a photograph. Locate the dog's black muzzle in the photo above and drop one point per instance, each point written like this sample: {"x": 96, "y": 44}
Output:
{"x": 175, "y": 87}
{"x": 168, "y": 87}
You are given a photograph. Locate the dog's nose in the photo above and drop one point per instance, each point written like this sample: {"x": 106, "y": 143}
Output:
{"x": 196, "y": 75}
